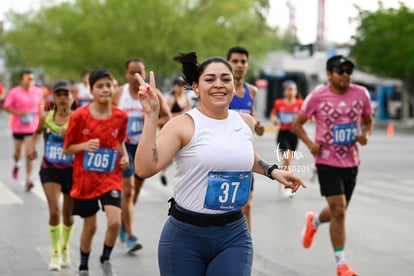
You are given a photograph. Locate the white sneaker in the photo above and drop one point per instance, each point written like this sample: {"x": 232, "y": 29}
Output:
{"x": 55, "y": 262}
{"x": 107, "y": 269}
{"x": 82, "y": 273}
{"x": 66, "y": 261}
{"x": 286, "y": 193}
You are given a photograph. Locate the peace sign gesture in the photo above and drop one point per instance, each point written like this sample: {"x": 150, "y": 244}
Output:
{"x": 148, "y": 94}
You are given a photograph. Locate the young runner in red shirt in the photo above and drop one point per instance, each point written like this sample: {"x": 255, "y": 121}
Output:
{"x": 95, "y": 135}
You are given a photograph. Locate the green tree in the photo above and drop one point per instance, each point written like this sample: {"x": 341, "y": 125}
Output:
{"x": 65, "y": 39}
{"x": 384, "y": 43}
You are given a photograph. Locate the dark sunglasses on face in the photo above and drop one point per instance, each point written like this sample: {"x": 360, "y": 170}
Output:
{"x": 341, "y": 71}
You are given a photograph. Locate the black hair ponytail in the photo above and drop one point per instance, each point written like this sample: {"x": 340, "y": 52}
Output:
{"x": 189, "y": 66}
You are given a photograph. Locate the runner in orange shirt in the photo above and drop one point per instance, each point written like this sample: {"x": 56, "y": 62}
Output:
{"x": 283, "y": 115}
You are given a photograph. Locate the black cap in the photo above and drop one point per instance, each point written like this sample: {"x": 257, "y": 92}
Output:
{"x": 338, "y": 61}
{"x": 62, "y": 85}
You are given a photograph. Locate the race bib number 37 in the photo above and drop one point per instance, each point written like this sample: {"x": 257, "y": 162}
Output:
{"x": 227, "y": 191}
{"x": 102, "y": 160}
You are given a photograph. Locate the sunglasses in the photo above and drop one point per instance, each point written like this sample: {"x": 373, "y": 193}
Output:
{"x": 341, "y": 71}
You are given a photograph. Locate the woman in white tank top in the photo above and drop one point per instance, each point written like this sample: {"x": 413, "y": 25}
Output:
{"x": 212, "y": 147}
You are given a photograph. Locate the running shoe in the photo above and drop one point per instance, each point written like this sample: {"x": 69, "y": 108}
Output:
{"x": 133, "y": 244}
{"x": 164, "y": 180}
{"x": 55, "y": 262}
{"x": 15, "y": 172}
{"x": 66, "y": 261}
{"x": 286, "y": 193}
{"x": 83, "y": 273}
{"x": 29, "y": 185}
{"x": 107, "y": 268}
{"x": 345, "y": 270}
{"x": 122, "y": 233}
{"x": 314, "y": 174}
{"x": 309, "y": 231}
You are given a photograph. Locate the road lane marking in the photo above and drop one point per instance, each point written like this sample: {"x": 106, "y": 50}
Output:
{"x": 7, "y": 196}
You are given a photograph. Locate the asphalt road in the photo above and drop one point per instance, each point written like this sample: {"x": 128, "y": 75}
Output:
{"x": 380, "y": 219}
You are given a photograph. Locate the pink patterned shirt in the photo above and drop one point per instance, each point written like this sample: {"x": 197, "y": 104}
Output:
{"x": 338, "y": 120}
{"x": 27, "y": 101}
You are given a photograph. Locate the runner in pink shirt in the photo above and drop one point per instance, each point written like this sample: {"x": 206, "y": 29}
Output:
{"x": 24, "y": 103}
{"x": 343, "y": 118}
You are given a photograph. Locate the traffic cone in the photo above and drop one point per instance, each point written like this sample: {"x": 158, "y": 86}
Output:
{"x": 390, "y": 130}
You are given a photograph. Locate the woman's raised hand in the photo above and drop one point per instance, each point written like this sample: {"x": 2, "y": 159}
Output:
{"x": 148, "y": 94}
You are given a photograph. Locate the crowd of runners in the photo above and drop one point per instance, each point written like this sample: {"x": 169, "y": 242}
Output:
{"x": 102, "y": 139}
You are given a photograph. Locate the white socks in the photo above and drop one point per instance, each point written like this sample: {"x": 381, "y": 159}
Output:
{"x": 316, "y": 222}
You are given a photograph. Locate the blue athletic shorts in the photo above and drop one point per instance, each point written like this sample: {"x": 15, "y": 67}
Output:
{"x": 186, "y": 249}
{"x": 131, "y": 149}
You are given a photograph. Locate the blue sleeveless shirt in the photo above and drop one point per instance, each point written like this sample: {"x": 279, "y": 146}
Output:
{"x": 244, "y": 104}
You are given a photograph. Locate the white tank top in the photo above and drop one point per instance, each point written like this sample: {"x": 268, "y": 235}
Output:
{"x": 217, "y": 145}
{"x": 84, "y": 94}
{"x": 135, "y": 115}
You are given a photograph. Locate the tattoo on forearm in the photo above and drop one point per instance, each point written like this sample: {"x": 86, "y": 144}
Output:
{"x": 264, "y": 165}
{"x": 267, "y": 168}
{"x": 154, "y": 155}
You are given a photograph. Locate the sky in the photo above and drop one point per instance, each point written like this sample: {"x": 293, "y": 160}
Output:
{"x": 338, "y": 28}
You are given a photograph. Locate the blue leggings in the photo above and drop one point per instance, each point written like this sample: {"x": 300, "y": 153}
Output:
{"x": 186, "y": 249}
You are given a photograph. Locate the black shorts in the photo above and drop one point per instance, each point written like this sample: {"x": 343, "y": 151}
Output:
{"x": 60, "y": 176}
{"x": 337, "y": 181}
{"x": 286, "y": 140}
{"x": 89, "y": 207}
{"x": 21, "y": 136}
